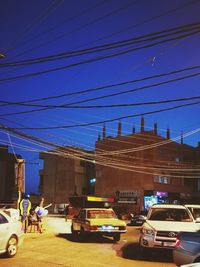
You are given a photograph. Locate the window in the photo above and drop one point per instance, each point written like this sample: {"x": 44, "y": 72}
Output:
{"x": 178, "y": 215}
{"x": 3, "y": 219}
{"x": 101, "y": 214}
{"x": 162, "y": 179}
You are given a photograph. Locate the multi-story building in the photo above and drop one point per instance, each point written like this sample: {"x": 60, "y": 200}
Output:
{"x": 11, "y": 176}
{"x": 137, "y": 169}
{"x": 67, "y": 171}
{"x": 142, "y": 168}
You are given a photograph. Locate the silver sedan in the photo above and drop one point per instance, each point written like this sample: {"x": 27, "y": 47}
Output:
{"x": 11, "y": 234}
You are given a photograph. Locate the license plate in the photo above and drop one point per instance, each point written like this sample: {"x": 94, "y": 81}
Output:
{"x": 168, "y": 244}
{"x": 107, "y": 227}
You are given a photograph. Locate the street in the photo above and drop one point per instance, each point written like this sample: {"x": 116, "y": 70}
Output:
{"x": 56, "y": 247}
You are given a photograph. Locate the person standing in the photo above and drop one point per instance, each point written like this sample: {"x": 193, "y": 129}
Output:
{"x": 24, "y": 207}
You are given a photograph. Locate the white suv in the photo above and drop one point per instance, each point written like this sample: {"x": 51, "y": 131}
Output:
{"x": 164, "y": 222}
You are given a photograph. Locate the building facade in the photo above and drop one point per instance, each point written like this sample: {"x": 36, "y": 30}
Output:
{"x": 67, "y": 172}
{"x": 11, "y": 176}
{"x": 144, "y": 168}
{"x": 137, "y": 170}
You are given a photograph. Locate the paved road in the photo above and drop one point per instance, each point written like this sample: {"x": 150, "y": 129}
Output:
{"x": 56, "y": 248}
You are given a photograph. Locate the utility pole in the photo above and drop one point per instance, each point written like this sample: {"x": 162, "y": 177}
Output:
{"x": 20, "y": 180}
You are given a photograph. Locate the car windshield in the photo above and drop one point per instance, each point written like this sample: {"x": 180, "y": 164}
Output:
{"x": 164, "y": 214}
{"x": 100, "y": 214}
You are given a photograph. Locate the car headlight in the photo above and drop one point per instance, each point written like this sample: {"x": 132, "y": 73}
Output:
{"x": 148, "y": 231}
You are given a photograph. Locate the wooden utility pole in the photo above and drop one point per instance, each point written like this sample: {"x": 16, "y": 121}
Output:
{"x": 20, "y": 179}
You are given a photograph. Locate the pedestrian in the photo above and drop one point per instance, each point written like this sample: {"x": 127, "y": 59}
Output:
{"x": 33, "y": 219}
{"x": 24, "y": 208}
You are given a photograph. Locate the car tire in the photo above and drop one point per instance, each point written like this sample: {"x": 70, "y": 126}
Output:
{"x": 12, "y": 247}
{"x": 116, "y": 237}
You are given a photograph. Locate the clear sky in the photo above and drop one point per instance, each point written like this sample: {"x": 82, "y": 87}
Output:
{"x": 54, "y": 48}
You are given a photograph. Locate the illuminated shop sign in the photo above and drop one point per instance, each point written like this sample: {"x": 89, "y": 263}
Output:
{"x": 161, "y": 194}
{"x": 149, "y": 201}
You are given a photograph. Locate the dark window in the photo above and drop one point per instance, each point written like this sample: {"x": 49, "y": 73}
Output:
{"x": 101, "y": 214}
{"x": 3, "y": 219}
{"x": 179, "y": 215}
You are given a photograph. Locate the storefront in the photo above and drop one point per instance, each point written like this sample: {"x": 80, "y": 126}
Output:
{"x": 155, "y": 197}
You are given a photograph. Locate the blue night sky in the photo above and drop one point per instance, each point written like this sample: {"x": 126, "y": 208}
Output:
{"x": 37, "y": 29}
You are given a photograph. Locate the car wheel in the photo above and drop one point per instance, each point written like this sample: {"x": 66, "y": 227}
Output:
{"x": 116, "y": 237}
{"x": 12, "y": 247}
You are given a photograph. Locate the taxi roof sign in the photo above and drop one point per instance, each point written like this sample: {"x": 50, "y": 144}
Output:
{"x": 100, "y": 199}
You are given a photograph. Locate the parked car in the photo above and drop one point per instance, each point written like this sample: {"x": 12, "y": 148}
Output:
{"x": 61, "y": 208}
{"x": 138, "y": 219}
{"x": 11, "y": 234}
{"x": 99, "y": 221}
{"x": 13, "y": 213}
{"x": 187, "y": 249}
{"x": 164, "y": 222}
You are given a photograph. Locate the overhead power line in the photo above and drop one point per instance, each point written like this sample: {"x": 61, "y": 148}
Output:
{"x": 99, "y": 88}
{"x": 130, "y": 27}
{"x": 144, "y": 38}
{"x": 105, "y": 121}
{"x": 38, "y": 20}
{"x": 108, "y": 95}
{"x": 103, "y": 57}
{"x": 111, "y": 162}
{"x": 66, "y": 20}
{"x": 108, "y": 106}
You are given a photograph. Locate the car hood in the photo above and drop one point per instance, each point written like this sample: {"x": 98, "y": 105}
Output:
{"x": 171, "y": 226}
{"x": 114, "y": 222}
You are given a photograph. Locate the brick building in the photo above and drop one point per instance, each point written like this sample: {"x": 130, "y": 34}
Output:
{"x": 142, "y": 168}
{"x": 11, "y": 176}
{"x": 67, "y": 171}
